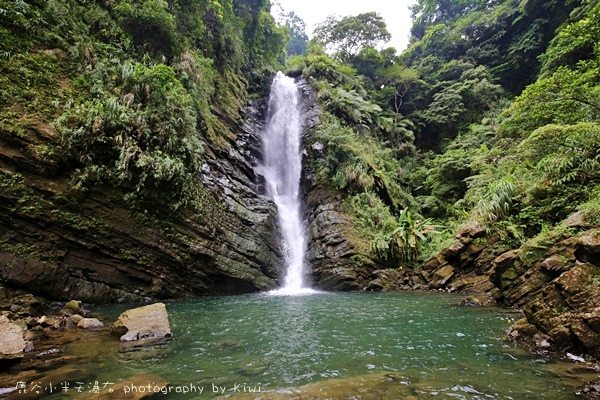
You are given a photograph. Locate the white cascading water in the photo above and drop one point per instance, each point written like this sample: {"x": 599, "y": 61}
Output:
{"x": 282, "y": 168}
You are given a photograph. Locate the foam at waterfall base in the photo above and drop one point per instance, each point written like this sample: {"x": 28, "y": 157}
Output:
{"x": 284, "y": 291}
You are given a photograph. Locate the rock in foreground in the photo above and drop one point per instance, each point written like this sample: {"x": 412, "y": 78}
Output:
{"x": 12, "y": 343}
{"x": 89, "y": 323}
{"x": 149, "y": 324}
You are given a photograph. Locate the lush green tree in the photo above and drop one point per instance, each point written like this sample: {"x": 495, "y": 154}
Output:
{"x": 298, "y": 38}
{"x": 568, "y": 96}
{"x": 507, "y": 36}
{"x": 265, "y": 40}
{"x": 368, "y": 63}
{"x": 348, "y": 35}
{"x": 576, "y": 42}
{"x": 150, "y": 24}
{"x": 456, "y": 103}
{"x": 397, "y": 80}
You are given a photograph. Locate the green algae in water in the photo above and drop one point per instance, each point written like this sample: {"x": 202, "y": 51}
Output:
{"x": 340, "y": 345}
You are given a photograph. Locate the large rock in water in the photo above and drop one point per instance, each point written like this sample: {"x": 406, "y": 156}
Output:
{"x": 149, "y": 324}
{"x": 72, "y": 307}
{"x": 12, "y": 343}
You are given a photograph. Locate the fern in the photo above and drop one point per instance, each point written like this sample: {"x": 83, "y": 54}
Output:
{"x": 498, "y": 200}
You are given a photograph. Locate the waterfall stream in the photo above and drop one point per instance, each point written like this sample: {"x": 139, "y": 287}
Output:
{"x": 282, "y": 168}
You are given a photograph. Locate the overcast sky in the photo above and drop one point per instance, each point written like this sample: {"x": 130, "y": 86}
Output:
{"x": 395, "y": 13}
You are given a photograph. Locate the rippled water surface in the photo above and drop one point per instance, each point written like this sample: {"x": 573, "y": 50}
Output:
{"x": 346, "y": 346}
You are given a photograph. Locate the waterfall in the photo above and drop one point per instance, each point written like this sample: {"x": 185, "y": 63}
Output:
{"x": 282, "y": 168}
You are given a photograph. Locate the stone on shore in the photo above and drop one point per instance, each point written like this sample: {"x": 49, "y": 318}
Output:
{"x": 89, "y": 323}
{"x": 71, "y": 307}
{"x": 73, "y": 320}
{"x": 12, "y": 344}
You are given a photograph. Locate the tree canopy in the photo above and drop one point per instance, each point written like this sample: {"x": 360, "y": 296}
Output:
{"x": 348, "y": 35}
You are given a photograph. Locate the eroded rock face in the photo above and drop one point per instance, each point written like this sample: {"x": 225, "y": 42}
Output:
{"x": 150, "y": 322}
{"x": 86, "y": 245}
{"x": 333, "y": 253}
{"x": 558, "y": 289}
{"x": 331, "y": 250}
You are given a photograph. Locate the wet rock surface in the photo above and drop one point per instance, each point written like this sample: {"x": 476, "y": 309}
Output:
{"x": 332, "y": 251}
{"x": 334, "y": 254}
{"x": 59, "y": 358}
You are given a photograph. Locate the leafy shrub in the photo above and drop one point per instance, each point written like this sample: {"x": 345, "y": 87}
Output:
{"x": 498, "y": 200}
{"x": 142, "y": 136}
{"x": 591, "y": 208}
{"x": 150, "y": 24}
{"x": 568, "y": 153}
{"x": 356, "y": 162}
{"x": 405, "y": 239}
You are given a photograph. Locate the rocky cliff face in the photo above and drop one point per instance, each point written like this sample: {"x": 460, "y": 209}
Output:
{"x": 334, "y": 255}
{"x": 63, "y": 243}
{"x": 556, "y": 285}
{"x": 331, "y": 253}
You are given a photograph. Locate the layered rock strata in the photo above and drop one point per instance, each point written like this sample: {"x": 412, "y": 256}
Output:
{"x": 64, "y": 243}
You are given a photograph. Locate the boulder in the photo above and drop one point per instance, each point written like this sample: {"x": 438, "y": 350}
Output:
{"x": 73, "y": 320}
{"x": 471, "y": 301}
{"x": 441, "y": 276}
{"x": 592, "y": 319}
{"x": 453, "y": 250}
{"x": 12, "y": 344}
{"x": 555, "y": 263}
{"x": 48, "y": 322}
{"x": 71, "y": 307}
{"x": 579, "y": 220}
{"x": 143, "y": 323}
{"x": 472, "y": 230}
{"x": 586, "y": 336}
{"x": 89, "y": 323}
{"x": 34, "y": 333}
{"x": 26, "y": 305}
{"x": 590, "y": 241}
{"x": 505, "y": 261}
{"x": 434, "y": 263}
{"x": 521, "y": 331}
{"x": 584, "y": 278}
